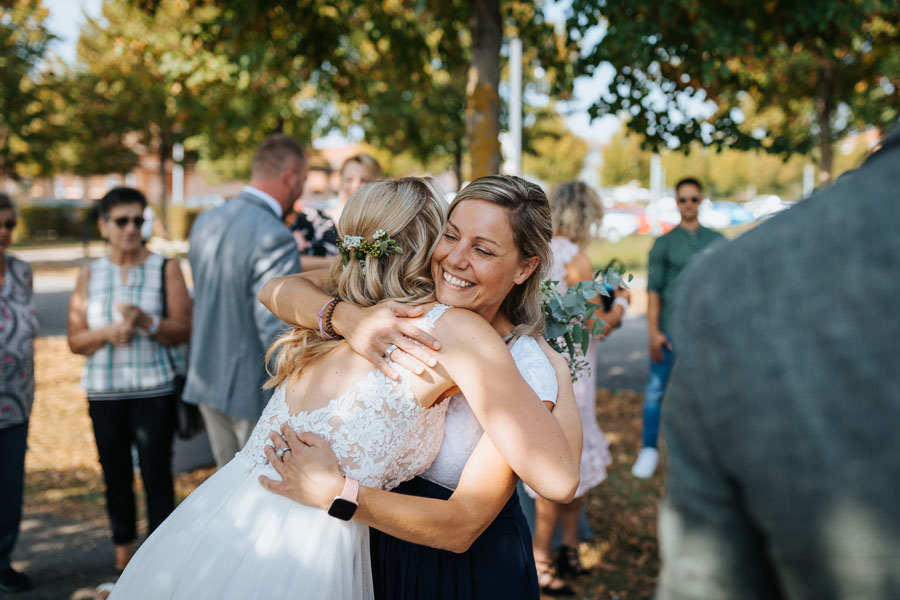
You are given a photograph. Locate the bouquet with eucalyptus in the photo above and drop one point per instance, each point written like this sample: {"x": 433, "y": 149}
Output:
{"x": 570, "y": 322}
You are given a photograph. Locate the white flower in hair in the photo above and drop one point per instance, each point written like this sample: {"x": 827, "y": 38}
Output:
{"x": 352, "y": 241}
{"x": 379, "y": 234}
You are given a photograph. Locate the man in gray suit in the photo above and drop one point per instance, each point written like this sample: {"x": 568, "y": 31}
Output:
{"x": 234, "y": 249}
{"x": 783, "y": 412}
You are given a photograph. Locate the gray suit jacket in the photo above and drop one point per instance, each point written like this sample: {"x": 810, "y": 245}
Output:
{"x": 783, "y": 413}
{"x": 234, "y": 249}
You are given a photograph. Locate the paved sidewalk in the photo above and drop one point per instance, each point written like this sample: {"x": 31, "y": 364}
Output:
{"x": 65, "y": 558}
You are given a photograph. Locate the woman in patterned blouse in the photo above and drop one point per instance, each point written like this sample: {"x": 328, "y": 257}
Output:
{"x": 315, "y": 230}
{"x": 128, "y": 310}
{"x": 18, "y": 328}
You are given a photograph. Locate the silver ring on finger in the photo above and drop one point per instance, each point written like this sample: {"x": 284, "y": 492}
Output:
{"x": 390, "y": 350}
{"x": 281, "y": 452}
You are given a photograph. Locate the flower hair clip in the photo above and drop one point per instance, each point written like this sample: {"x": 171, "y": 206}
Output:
{"x": 355, "y": 246}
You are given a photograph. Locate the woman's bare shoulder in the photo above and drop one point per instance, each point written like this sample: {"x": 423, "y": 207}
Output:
{"x": 458, "y": 325}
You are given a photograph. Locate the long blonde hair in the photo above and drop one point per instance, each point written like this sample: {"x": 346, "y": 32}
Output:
{"x": 412, "y": 212}
{"x": 576, "y": 207}
{"x": 530, "y": 221}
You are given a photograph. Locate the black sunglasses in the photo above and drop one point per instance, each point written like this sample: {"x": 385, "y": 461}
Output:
{"x": 121, "y": 222}
{"x": 694, "y": 199}
{"x": 10, "y": 225}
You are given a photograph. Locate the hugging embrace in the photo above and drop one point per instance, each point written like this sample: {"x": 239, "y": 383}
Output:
{"x": 381, "y": 468}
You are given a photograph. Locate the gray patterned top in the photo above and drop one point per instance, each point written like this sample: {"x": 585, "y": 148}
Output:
{"x": 18, "y": 328}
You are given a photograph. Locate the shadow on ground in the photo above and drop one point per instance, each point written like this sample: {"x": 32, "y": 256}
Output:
{"x": 66, "y": 558}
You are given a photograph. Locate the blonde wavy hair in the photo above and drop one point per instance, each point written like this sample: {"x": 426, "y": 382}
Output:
{"x": 531, "y": 224}
{"x": 575, "y": 207}
{"x": 412, "y": 212}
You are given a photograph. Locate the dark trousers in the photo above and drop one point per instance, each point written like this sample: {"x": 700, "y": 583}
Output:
{"x": 149, "y": 423}
{"x": 12, "y": 478}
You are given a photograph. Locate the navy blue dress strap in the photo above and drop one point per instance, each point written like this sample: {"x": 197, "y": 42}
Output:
{"x": 500, "y": 563}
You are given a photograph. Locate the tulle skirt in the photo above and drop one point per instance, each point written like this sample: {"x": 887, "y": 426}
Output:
{"x": 232, "y": 539}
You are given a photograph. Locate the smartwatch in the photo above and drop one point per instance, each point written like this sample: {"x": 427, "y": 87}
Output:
{"x": 344, "y": 505}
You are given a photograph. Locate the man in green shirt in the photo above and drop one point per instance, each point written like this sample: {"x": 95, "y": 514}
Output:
{"x": 669, "y": 256}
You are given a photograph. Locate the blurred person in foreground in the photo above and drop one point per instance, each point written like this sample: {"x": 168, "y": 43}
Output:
{"x": 781, "y": 422}
{"x": 315, "y": 230}
{"x": 575, "y": 208}
{"x": 18, "y": 328}
{"x": 234, "y": 249}
{"x": 127, "y": 310}
{"x": 669, "y": 256}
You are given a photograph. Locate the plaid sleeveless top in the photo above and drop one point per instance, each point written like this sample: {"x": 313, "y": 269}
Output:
{"x": 143, "y": 368}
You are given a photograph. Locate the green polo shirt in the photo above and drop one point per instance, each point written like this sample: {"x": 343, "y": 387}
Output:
{"x": 669, "y": 256}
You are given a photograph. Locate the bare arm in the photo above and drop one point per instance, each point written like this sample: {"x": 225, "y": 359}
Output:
{"x": 565, "y": 411}
{"x": 296, "y": 299}
{"x": 311, "y": 475}
{"x": 314, "y": 263}
{"x": 82, "y": 339}
{"x": 525, "y": 433}
{"x": 657, "y": 338}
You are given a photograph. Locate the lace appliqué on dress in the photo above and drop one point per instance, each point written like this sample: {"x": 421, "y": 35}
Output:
{"x": 379, "y": 433}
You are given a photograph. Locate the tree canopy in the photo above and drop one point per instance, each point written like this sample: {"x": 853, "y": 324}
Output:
{"x": 810, "y": 70}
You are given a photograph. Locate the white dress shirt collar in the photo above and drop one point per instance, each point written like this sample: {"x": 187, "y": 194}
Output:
{"x": 272, "y": 202}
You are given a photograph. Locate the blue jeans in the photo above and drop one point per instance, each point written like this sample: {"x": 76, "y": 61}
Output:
{"x": 653, "y": 396}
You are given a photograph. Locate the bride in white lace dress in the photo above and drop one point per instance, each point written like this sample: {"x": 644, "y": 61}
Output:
{"x": 233, "y": 539}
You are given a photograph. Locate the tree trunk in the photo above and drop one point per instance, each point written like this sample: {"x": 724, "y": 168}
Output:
{"x": 457, "y": 164}
{"x": 482, "y": 88}
{"x": 824, "y": 110}
{"x": 163, "y": 147}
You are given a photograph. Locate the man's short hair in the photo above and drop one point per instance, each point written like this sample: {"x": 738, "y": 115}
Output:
{"x": 275, "y": 154}
{"x": 688, "y": 181}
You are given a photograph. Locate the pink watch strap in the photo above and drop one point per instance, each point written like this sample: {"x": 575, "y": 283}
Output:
{"x": 350, "y": 491}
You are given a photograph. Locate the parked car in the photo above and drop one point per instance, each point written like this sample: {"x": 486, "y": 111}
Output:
{"x": 619, "y": 222}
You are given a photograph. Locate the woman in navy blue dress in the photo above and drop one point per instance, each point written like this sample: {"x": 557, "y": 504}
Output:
{"x": 457, "y": 531}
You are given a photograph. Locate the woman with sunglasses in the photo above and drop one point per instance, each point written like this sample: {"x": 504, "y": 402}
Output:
{"x": 127, "y": 311}
{"x": 18, "y": 328}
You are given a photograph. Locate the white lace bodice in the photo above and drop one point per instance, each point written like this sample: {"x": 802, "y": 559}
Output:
{"x": 379, "y": 433}
{"x": 564, "y": 250}
{"x": 462, "y": 430}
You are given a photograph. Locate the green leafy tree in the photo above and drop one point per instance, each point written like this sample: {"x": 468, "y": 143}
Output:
{"x": 624, "y": 160}
{"x": 29, "y": 104}
{"x": 811, "y": 71}
{"x": 552, "y": 152}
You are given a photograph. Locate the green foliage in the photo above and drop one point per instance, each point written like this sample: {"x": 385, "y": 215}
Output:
{"x": 552, "y": 152}
{"x": 726, "y": 175}
{"x": 624, "y": 161}
{"x": 29, "y": 115}
{"x": 41, "y": 222}
{"x": 810, "y": 71}
{"x": 569, "y": 317}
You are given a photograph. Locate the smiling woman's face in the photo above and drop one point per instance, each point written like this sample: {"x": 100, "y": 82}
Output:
{"x": 476, "y": 263}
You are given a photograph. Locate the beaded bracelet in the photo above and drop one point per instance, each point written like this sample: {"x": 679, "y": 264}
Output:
{"x": 326, "y": 330}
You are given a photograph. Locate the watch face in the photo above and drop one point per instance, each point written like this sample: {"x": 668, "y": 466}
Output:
{"x": 342, "y": 509}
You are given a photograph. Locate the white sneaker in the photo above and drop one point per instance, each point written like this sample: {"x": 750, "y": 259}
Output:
{"x": 646, "y": 462}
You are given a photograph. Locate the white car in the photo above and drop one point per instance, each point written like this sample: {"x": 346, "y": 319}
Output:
{"x": 618, "y": 224}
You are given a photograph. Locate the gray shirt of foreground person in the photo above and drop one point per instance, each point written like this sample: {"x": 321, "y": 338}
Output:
{"x": 234, "y": 249}
{"x": 783, "y": 411}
